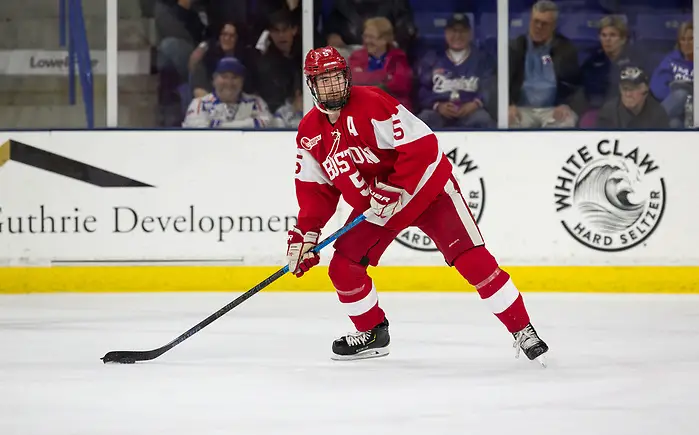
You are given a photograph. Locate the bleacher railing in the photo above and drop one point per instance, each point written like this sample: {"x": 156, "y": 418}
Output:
{"x": 78, "y": 54}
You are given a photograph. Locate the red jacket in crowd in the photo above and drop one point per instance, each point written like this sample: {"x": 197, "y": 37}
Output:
{"x": 396, "y": 78}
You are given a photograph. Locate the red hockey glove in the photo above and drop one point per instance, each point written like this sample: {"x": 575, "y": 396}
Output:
{"x": 385, "y": 199}
{"x": 298, "y": 254}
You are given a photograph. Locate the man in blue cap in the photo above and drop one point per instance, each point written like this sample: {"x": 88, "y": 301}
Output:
{"x": 228, "y": 106}
{"x": 455, "y": 82}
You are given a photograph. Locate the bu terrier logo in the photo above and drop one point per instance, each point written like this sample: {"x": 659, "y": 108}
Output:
{"x": 336, "y": 141}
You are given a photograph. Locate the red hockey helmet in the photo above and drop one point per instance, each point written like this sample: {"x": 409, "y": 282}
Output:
{"x": 332, "y": 91}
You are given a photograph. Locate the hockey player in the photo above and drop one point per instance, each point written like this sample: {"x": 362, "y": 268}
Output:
{"x": 359, "y": 142}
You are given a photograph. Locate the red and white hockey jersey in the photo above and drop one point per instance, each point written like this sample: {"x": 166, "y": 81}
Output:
{"x": 374, "y": 137}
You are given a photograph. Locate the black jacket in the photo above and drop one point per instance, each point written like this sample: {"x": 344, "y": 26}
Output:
{"x": 277, "y": 76}
{"x": 174, "y": 21}
{"x": 614, "y": 115}
{"x": 565, "y": 63}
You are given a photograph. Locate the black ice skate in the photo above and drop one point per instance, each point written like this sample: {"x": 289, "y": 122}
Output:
{"x": 360, "y": 345}
{"x": 534, "y": 347}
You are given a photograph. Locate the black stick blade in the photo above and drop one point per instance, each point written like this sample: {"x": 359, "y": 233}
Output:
{"x": 122, "y": 357}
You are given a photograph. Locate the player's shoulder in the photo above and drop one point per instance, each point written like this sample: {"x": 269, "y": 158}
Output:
{"x": 364, "y": 93}
{"x": 311, "y": 120}
{"x": 308, "y": 134}
{"x": 373, "y": 101}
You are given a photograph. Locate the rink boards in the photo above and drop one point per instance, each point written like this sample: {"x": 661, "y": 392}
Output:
{"x": 209, "y": 210}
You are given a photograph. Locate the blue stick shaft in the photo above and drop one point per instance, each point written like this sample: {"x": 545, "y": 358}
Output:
{"x": 334, "y": 236}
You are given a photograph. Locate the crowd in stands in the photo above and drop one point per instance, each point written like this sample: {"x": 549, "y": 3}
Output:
{"x": 237, "y": 64}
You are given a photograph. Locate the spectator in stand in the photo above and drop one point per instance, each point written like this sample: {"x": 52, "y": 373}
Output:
{"x": 289, "y": 115}
{"x": 673, "y": 79}
{"x": 179, "y": 31}
{"x": 205, "y": 58}
{"x": 294, "y": 7}
{"x": 454, "y": 83}
{"x": 220, "y": 12}
{"x": 266, "y": 8}
{"x": 544, "y": 74}
{"x": 379, "y": 63}
{"x": 252, "y": 16}
{"x": 634, "y": 109}
{"x": 228, "y": 106}
{"x": 600, "y": 72}
{"x": 347, "y": 17}
{"x": 279, "y": 69}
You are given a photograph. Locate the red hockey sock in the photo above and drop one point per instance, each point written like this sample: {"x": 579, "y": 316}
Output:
{"x": 494, "y": 286}
{"x": 356, "y": 292}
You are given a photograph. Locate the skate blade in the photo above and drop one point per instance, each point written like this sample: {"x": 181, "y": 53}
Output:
{"x": 541, "y": 359}
{"x": 370, "y": 353}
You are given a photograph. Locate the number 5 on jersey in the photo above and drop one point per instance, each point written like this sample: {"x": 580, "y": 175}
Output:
{"x": 398, "y": 132}
{"x": 359, "y": 183}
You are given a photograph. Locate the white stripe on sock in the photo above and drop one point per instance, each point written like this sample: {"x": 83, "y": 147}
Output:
{"x": 503, "y": 298}
{"x": 363, "y": 305}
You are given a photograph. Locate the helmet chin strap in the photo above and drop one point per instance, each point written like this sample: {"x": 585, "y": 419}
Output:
{"x": 327, "y": 112}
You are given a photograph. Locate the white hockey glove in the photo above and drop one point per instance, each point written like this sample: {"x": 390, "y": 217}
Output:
{"x": 298, "y": 252}
{"x": 385, "y": 199}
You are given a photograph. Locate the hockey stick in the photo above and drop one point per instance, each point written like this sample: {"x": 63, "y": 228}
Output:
{"x": 131, "y": 356}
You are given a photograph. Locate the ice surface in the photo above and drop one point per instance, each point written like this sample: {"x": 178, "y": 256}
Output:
{"x": 619, "y": 364}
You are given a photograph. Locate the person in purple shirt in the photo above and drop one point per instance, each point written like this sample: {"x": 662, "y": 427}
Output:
{"x": 454, "y": 83}
{"x": 672, "y": 81}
